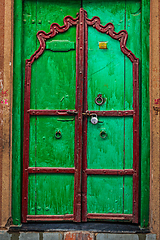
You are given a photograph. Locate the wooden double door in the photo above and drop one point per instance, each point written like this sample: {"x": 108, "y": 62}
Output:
{"x": 81, "y": 114}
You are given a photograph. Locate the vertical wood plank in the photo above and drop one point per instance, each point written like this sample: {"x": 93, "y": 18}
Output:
{"x": 128, "y": 195}
{"x": 145, "y": 117}
{"x": 32, "y": 194}
{"x": 17, "y": 117}
{"x": 105, "y": 194}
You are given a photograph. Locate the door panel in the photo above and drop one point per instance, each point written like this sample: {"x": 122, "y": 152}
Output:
{"x": 47, "y": 78}
{"x": 107, "y": 152}
{"x": 50, "y": 167}
{"x": 124, "y": 15}
{"x": 71, "y": 166}
{"x": 51, "y": 141}
{"x": 110, "y": 73}
{"x": 53, "y": 194}
{"x": 105, "y": 72}
{"x": 117, "y": 198}
{"x": 115, "y": 150}
{"x": 54, "y": 80}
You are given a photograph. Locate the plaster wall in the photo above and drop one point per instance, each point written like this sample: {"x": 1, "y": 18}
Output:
{"x": 155, "y": 119}
{"x": 6, "y": 11}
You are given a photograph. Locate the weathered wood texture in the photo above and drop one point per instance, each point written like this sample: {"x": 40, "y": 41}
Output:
{"x": 17, "y": 114}
{"x": 127, "y": 17}
{"x": 110, "y": 74}
{"x": 144, "y": 115}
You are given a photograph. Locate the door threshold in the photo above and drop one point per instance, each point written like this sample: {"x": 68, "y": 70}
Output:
{"x": 97, "y": 227}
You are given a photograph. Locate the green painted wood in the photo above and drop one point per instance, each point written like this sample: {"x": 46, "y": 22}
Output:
{"x": 133, "y": 27}
{"x": 110, "y": 194}
{"x": 55, "y": 80}
{"x": 107, "y": 11}
{"x": 110, "y": 73}
{"x": 16, "y": 117}
{"x": 45, "y": 149}
{"x": 52, "y": 199}
{"x": 105, "y": 194}
{"x": 128, "y": 158}
{"x": 51, "y": 11}
{"x": 53, "y": 86}
{"x": 105, "y": 66}
{"x": 105, "y": 72}
{"x": 35, "y": 18}
{"x": 31, "y": 194}
{"x": 128, "y": 195}
{"x": 106, "y": 153}
{"x": 57, "y": 83}
{"x": 145, "y": 117}
{"x": 61, "y": 45}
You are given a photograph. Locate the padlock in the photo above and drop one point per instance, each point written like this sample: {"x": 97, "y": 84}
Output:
{"x": 94, "y": 119}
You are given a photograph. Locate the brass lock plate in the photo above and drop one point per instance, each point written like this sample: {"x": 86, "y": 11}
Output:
{"x": 102, "y": 45}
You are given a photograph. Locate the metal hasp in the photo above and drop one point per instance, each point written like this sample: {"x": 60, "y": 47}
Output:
{"x": 80, "y": 171}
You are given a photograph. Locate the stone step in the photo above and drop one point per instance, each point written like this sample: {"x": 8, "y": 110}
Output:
{"x": 75, "y": 235}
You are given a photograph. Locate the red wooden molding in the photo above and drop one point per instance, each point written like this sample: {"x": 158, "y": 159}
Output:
{"x": 111, "y": 113}
{"x": 50, "y": 170}
{"x": 55, "y": 28}
{"x": 122, "y": 38}
{"x": 109, "y": 30}
{"x": 81, "y": 110}
{"x": 42, "y": 37}
{"x": 111, "y": 216}
{"x": 120, "y": 172}
{"x": 67, "y": 217}
{"x": 52, "y": 112}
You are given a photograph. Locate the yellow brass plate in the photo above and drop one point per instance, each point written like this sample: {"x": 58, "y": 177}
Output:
{"x": 102, "y": 45}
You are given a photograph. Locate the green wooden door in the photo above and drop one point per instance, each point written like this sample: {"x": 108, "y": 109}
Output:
{"x": 73, "y": 169}
{"x": 110, "y": 189}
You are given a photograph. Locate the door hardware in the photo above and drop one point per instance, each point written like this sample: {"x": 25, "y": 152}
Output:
{"x": 94, "y": 119}
{"x": 58, "y": 135}
{"x": 71, "y": 112}
{"x": 99, "y": 100}
{"x": 102, "y": 45}
{"x": 103, "y": 134}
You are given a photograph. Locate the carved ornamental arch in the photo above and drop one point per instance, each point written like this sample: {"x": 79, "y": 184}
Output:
{"x": 81, "y": 22}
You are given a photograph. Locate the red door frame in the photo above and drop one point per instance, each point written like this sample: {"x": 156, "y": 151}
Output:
{"x": 81, "y": 113}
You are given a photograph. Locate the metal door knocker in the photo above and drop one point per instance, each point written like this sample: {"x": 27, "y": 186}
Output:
{"x": 58, "y": 135}
{"x": 103, "y": 134}
{"x": 94, "y": 119}
{"x": 99, "y": 100}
